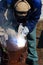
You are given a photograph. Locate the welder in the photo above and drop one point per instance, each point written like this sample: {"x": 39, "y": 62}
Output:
{"x": 29, "y": 18}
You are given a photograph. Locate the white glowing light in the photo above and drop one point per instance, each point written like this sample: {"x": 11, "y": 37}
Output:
{"x": 0, "y": 0}
{"x": 16, "y": 43}
{"x": 21, "y": 42}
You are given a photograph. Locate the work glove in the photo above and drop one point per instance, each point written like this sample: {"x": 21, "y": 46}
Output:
{"x": 23, "y": 31}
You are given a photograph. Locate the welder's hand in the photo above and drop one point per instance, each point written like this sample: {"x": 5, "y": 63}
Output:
{"x": 23, "y": 30}
{"x": 20, "y": 29}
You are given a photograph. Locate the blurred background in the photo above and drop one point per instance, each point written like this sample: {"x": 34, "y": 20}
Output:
{"x": 39, "y": 37}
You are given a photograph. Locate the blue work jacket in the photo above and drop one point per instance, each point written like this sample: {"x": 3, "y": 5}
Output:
{"x": 34, "y": 13}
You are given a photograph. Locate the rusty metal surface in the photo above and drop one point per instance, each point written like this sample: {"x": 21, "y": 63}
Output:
{"x": 38, "y": 33}
{"x": 17, "y": 57}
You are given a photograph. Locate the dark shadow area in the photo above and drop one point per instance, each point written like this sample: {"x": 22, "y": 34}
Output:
{"x": 40, "y": 43}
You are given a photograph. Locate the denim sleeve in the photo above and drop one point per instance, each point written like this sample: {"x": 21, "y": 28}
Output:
{"x": 34, "y": 15}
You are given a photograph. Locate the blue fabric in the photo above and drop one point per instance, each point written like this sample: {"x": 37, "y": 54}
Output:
{"x": 2, "y": 4}
{"x": 36, "y": 3}
{"x": 9, "y": 1}
{"x": 34, "y": 14}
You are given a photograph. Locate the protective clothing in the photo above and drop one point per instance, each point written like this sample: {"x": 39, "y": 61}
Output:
{"x": 9, "y": 2}
{"x": 23, "y": 30}
{"x": 36, "y": 10}
{"x": 32, "y": 19}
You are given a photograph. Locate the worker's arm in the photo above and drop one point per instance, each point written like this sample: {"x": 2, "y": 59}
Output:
{"x": 34, "y": 15}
